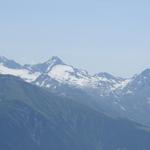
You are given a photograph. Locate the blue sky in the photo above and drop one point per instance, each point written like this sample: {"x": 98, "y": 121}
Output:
{"x": 97, "y": 35}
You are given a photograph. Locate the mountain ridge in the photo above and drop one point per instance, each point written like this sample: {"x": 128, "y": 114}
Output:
{"x": 35, "y": 119}
{"x": 127, "y": 96}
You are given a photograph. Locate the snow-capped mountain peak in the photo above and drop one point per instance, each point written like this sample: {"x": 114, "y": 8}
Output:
{"x": 9, "y": 63}
{"x": 46, "y": 66}
{"x": 139, "y": 82}
{"x": 67, "y": 74}
{"x": 146, "y": 73}
{"x": 55, "y": 72}
{"x": 11, "y": 67}
{"x": 3, "y": 59}
{"x": 54, "y": 60}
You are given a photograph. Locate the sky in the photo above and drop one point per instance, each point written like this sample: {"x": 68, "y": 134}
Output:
{"x": 97, "y": 35}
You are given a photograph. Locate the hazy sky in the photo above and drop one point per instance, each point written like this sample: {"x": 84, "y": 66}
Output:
{"x": 97, "y": 35}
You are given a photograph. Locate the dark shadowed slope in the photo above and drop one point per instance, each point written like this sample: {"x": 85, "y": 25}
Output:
{"x": 34, "y": 119}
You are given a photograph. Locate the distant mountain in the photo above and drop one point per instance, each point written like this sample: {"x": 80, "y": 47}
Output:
{"x": 9, "y": 63}
{"x": 32, "y": 118}
{"x": 12, "y": 68}
{"x": 46, "y": 66}
{"x": 57, "y": 70}
{"x": 128, "y": 98}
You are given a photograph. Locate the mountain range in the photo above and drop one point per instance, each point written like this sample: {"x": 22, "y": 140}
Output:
{"x": 55, "y": 106}
{"x": 32, "y": 118}
{"x": 117, "y": 96}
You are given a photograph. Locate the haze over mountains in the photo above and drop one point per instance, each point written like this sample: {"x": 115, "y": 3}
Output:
{"x": 56, "y": 106}
{"x": 32, "y": 118}
{"x": 114, "y": 95}
{"x": 57, "y": 70}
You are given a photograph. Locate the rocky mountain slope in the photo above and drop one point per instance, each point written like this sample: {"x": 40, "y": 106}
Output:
{"x": 114, "y": 95}
{"x": 31, "y": 118}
